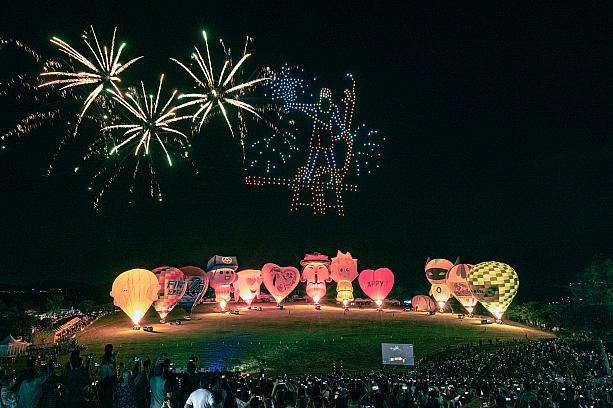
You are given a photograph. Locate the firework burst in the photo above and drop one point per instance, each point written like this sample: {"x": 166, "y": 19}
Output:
{"x": 104, "y": 69}
{"x": 218, "y": 91}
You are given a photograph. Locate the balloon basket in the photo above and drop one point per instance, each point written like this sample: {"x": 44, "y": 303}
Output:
{"x": 281, "y": 307}
{"x": 136, "y": 327}
{"x": 163, "y": 321}
{"x": 317, "y": 307}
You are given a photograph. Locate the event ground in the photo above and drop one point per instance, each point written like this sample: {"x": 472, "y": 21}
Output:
{"x": 296, "y": 340}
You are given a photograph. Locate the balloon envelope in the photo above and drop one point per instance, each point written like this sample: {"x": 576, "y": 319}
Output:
{"x": 423, "y": 303}
{"x": 494, "y": 284}
{"x": 280, "y": 281}
{"x": 458, "y": 285}
{"x": 377, "y": 283}
{"x": 172, "y": 288}
{"x": 440, "y": 292}
{"x": 222, "y": 274}
{"x": 134, "y": 291}
{"x": 316, "y": 273}
{"x": 343, "y": 270}
{"x": 196, "y": 282}
{"x": 436, "y": 269}
{"x": 248, "y": 284}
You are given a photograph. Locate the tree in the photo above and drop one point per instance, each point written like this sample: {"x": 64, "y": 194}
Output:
{"x": 54, "y": 302}
{"x": 87, "y": 305}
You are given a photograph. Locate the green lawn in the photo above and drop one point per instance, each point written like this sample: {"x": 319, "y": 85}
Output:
{"x": 296, "y": 340}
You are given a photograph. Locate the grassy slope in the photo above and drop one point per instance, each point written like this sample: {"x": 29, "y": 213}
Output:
{"x": 295, "y": 340}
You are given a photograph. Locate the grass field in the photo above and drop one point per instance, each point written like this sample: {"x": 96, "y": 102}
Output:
{"x": 296, "y": 340}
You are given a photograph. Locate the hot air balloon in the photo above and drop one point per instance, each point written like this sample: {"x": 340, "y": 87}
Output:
{"x": 280, "y": 281}
{"x": 423, "y": 303}
{"x": 376, "y": 284}
{"x": 316, "y": 274}
{"x": 343, "y": 270}
{"x": 134, "y": 291}
{"x": 172, "y": 288}
{"x": 248, "y": 284}
{"x": 222, "y": 274}
{"x": 459, "y": 288}
{"x": 494, "y": 284}
{"x": 197, "y": 282}
{"x": 436, "y": 269}
{"x": 440, "y": 292}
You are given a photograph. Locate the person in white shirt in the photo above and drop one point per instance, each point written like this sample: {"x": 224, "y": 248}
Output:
{"x": 201, "y": 398}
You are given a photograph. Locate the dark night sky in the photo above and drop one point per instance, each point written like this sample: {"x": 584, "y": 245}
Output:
{"x": 498, "y": 125}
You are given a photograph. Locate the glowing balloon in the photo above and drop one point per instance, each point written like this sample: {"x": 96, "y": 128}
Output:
{"x": 376, "y": 284}
{"x": 316, "y": 274}
{"x": 494, "y": 284}
{"x": 172, "y": 288}
{"x": 440, "y": 292}
{"x": 248, "y": 284}
{"x": 222, "y": 274}
{"x": 436, "y": 270}
{"x": 197, "y": 282}
{"x": 343, "y": 270}
{"x": 280, "y": 281}
{"x": 134, "y": 291}
{"x": 423, "y": 303}
{"x": 459, "y": 288}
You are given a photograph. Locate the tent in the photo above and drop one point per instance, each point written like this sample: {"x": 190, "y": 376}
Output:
{"x": 10, "y": 347}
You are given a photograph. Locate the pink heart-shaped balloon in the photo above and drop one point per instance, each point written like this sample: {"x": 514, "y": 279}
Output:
{"x": 377, "y": 284}
{"x": 280, "y": 280}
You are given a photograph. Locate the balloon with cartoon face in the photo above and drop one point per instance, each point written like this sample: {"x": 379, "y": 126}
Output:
{"x": 436, "y": 270}
{"x": 280, "y": 280}
{"x": 222, "y": 274}
{"x": 316, "y": 274}
{"x": 344, "y": 270}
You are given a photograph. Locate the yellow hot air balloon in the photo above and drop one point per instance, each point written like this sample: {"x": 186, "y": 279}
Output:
{"x": 494, "y": 284}
{"x": 134, "y": 291}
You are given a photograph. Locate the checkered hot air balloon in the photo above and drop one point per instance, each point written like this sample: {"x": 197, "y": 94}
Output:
{"x": 458, "y": 285}
{"x": 172, "y": 288}
{"x": 494, "y": 284}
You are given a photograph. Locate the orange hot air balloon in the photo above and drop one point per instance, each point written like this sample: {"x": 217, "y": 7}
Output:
{"x": 423, "y": 303}
{"x": 436, "y": 270}
{"x": 134, "y": 291}
{"x": 440, "y": 292}
{"x": 344, "y": 270}
{"x": 376, "y": 284}
{"x": 172, "y": 288}
{"x": 316, "y": 274}
{"x": 248, "y": 284}
{"x": 280, "y": 281}
{"x": 457, "y": 283}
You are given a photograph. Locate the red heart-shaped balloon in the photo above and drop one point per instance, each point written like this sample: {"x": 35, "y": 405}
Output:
{"x": 280, "y": 280}
{"x": 377, "y": 284}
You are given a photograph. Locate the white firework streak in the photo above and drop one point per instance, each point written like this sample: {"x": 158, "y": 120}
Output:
{"x": 105, "y": 68}
{"x": 218, "y": 91}
{"x": 150, "y": 120}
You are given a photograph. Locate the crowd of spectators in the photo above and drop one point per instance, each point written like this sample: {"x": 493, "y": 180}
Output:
{"x": 539, "y": 374}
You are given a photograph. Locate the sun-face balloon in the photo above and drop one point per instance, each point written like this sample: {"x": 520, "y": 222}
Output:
{"x": 344, "y": 270}
{"x": 316, "y": 274}
{"x": 248, "y": 284}
{"x": 376, "y": 284}
{"x": 494, "y": 284}
{"x": 436, "y": 270}
{"x": 134, "y": 291}
{"x": 280, "y": 281}
{"x": 222, "y": 274}
{"x": 423, "y": 303}
{"x": 197, "y": 282}
{"x": 459, "y": 288}
{"x": 172, "y": 288}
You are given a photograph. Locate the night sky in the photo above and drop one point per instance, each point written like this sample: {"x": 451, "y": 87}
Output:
{"x": 498, "y": 124}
